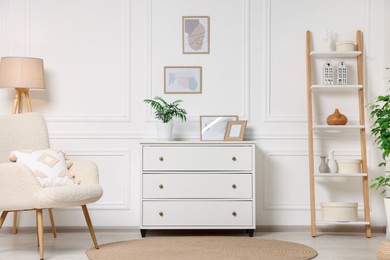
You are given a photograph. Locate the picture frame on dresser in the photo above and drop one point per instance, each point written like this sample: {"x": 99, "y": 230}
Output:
{"x": 213, "y": 127}
{"x": 235, "y": 130}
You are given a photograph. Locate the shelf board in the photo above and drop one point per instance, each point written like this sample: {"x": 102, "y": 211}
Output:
{"x": 337, "y": 127}
{"x": 336, "y": 87}
{"x": 342, "y": 222}
{"x": 335, "y": 54}
{"x": 340, "y": 174}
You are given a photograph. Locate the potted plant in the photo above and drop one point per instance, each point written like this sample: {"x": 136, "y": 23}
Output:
{"x": 380, "y": 113}
{"x": 165, "y": 112}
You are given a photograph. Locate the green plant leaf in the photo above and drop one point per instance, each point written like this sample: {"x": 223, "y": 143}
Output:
{"x": 166, "y": 111}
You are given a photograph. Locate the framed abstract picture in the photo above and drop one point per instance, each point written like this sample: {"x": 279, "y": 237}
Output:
{"x": 196, "y": 34}
{"x": 213, "y": 127}
{"x": 182, "y": 80}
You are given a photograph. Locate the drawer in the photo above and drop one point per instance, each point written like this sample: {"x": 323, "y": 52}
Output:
{"x": 227, "y": 158}
{"x": 197, "y": 213}
{"x": 197, "y": 186}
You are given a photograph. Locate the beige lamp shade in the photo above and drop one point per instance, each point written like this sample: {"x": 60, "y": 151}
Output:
{"x": 21, "y": 72}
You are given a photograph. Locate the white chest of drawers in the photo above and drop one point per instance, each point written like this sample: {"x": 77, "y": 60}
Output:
{"x": 198, "y": 185}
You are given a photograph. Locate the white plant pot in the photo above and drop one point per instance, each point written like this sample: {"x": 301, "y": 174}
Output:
{"x": 164, "y": 131}
{"x": 387, "y": 209}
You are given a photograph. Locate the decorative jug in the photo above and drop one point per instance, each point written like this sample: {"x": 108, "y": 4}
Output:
{"x": 323, "y": 166}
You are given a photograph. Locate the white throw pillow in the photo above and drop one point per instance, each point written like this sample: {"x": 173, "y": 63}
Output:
{"x": 48, "y": 166}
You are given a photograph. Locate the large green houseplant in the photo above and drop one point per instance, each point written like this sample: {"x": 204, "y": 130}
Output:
{"x": 165, "y": 112}
{"x": 380, "y": 113}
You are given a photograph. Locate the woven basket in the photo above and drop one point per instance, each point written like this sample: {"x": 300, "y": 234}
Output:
{"x": 383, "y": 251}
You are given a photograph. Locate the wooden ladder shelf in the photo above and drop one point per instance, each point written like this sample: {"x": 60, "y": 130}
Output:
{"x": 361, "y": 127}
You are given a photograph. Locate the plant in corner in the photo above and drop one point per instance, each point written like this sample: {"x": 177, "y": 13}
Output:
{"x": 165, "y": 112}
{"x": 380, "y": 112}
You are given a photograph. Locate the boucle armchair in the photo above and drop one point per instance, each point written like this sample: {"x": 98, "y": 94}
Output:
{"x": 19, "y": 188}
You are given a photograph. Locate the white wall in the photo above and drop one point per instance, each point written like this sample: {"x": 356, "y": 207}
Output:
{"x": 103, "y": 57}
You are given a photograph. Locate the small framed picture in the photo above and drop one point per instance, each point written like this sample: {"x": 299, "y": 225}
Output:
{"x": 196, "y": 34}
{"x": 213, "y": 127}
{"x": 182, "y": 80}
{"x": 235, "y": 130}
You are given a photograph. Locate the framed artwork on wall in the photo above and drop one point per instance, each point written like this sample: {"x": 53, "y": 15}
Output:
{"x": 196, "y": 34}
{"x": 213, "y": 127}
{"x": 235, "y": 130}
{"x": 182, "y": 80}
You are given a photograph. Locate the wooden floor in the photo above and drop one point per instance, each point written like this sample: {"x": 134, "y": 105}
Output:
{"x": 72, "y": 245}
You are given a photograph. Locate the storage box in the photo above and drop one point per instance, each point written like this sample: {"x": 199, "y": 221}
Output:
{"x": 345, "y": 46}
{"x": 349, "y": 166}
{"x": 339, "y": 211}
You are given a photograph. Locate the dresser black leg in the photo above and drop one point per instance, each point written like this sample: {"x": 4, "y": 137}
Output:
{"x": 143, "y": 232}
{"x": 250, "y": 232}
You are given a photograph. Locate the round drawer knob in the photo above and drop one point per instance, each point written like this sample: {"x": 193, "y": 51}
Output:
{"x": 161, "y": 186}
{"x": 234, "y": 214}
{"x": 234, "y": 158}
{"x": 234, "y": 186}
{"x": 161, "y": 214}
{"x": 161, "y": 158}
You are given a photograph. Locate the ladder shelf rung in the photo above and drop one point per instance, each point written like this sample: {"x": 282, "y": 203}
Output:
{"x": 336, "y": 87}
{"x": 342, "y": 222}
{"x": 340, "y": 174}
{"x": 337, "y": 127}
{"x": 335, "y": 54}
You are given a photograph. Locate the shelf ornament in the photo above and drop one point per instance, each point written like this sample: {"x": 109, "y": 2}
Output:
{"x": 323, "y": 168}
{"x": 337, "y": 118}
{"x": 332, "y": 164}
{"x": 342, "y": 73}
{"x": 327, "y": 70}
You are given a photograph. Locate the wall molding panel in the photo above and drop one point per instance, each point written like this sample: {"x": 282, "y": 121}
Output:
{"x": 124, "y": 93}
{"x": 268, "y": 205}
{"x": 124, "y": 155}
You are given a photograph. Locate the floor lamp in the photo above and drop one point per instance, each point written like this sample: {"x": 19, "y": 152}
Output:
{"x": 23, "y": 74}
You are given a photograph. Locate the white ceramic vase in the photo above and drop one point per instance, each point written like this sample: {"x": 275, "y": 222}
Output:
{"x": 332, "y": 162}
{"x": 164, "y": 131}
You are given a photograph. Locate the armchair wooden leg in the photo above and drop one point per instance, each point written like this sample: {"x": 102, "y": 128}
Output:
{"x": 53, "y": 226}
{"x": 2, "y": 218}
{"x": 40, "y": 232}
{"x": 90, "y": 227}
{"x": 37, "y": 226}
{"x": 15, "y": 226}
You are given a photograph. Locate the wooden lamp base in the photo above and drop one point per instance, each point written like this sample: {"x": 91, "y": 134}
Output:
{"x": 18, "y": 105}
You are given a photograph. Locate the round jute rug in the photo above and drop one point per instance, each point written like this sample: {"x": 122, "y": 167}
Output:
{"x": 202, "y": 247}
